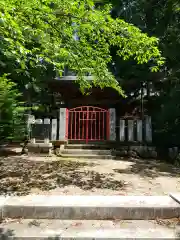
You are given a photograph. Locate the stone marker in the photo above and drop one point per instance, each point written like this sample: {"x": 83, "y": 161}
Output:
{"x": 139, "y": 130}
{"x": 122, "y": 130}
{"x": 112, "y": 122}
{"x": 130, "y": 130}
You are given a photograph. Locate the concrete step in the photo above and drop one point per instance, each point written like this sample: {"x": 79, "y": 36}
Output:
{"x": 88, "y": 146}
{"x": 86, "y": 156}
{"x": 90, "y": 207}
{"x": 90, "y": 230}
{"x": 86, "y": 151}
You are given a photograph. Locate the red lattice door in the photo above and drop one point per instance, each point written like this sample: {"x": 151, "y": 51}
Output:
{"x": 87, "y": 124}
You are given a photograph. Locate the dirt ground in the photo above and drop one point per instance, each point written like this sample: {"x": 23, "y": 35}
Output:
{"x": 22, "y": 175}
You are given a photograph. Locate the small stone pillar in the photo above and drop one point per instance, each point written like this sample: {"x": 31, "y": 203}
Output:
{"x": 122, "y": 130}
{"x": 130, "y": 130}
{"x": 54, "y": 130}
{"x": 173, "y": 153}
{"x": 148, "y": 129}
{"x": 30, "y": 120}
{"x": 139, "y": 130}
{"x": 112, "y": 124}
{"x": 62, "y": 124}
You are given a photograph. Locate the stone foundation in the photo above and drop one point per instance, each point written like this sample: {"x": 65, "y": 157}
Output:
{"x": 136, "y": 151}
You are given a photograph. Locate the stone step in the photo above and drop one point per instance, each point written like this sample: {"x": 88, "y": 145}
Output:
{"x": 89, "y": 207}
{"x": 86, "y": 156}
{"x": 88, "y": 146}
{"x": 56, "y": 229}
{"x": 86, "y": 151}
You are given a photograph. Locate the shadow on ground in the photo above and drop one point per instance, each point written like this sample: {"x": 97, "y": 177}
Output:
{"x": 150, "y": 168}
{"x": 9, "y": 152}
{"x": 6, "y": 234}
{"x": 19, "y": 176}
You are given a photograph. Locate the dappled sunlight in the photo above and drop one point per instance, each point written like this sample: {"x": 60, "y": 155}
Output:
{"x": 150, "y": 168}
{"x": 21, "y": 177}
{"x": 6, "y": 234}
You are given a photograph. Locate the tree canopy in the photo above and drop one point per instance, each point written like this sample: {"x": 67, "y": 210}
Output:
{"x": 159, "y": 18}
{"x": 37, "y": 34}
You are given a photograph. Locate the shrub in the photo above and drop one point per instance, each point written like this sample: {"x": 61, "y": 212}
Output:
{"x": 12, "y": 120}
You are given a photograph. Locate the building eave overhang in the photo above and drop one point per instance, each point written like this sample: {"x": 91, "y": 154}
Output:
{"x": 73, "y": 78}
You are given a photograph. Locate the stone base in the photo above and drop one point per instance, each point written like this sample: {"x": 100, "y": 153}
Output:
{"x": 58, "y": 143}
{"x": 40, "y": 148}
{"x": 133, "y": 151}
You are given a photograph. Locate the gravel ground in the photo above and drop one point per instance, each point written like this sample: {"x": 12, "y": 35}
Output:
{"x": 22, "y": 175}
{"x": 138, "y": 177}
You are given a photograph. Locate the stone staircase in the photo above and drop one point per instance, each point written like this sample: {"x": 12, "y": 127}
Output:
{"x": 88, "y": 217}
{"x": 86, "y": 151}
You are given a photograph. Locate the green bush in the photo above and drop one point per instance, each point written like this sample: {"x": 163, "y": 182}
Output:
{"x": 12, "y": 121}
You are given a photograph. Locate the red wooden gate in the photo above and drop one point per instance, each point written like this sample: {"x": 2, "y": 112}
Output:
{"x": 87, "y": 123}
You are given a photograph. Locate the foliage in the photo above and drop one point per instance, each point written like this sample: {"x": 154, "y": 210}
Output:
{"x": 36, "y": 35}
{"x": 11, "y": 113}
{"x": 160, "y": 18}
